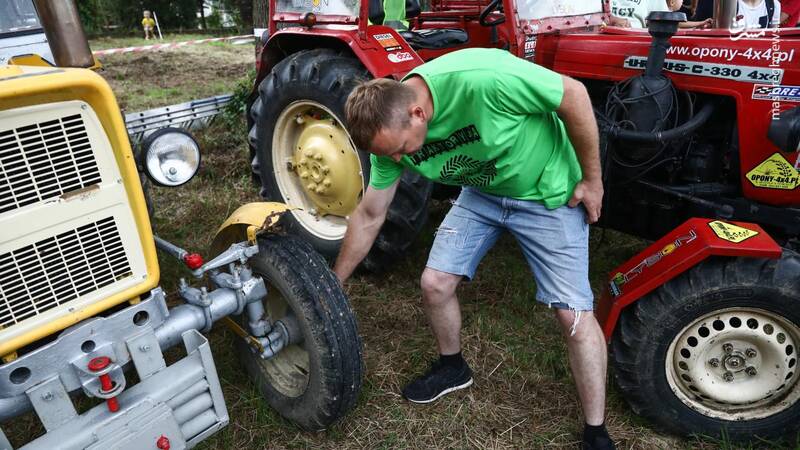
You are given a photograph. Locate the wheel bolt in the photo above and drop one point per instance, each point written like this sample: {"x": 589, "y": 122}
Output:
{"x": 713, "y": 362}
{"x": 311, "y": 186}
{"x": 326, "y": 169}
{"x": 727, "y": 376}
{"x": 750, "y": 370}
{"x": 750, "y": 353}
{"x": 326, "y": 182}
{"x": 303, "y": 161}
{"x": 308, "y": 153}
{"x": 304, "y": 174}
{"x": 727, "y": 348}
{"x": 318, "y": 156}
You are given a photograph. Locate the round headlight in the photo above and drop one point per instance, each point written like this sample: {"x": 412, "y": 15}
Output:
{"x": 170, "y": 157}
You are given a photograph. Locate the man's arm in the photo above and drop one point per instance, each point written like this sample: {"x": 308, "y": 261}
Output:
{"x": 578, "y": 117}
{"x": 362, "y": 229}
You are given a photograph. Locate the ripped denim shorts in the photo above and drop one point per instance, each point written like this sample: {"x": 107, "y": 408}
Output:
{"x": 555, "y": 243}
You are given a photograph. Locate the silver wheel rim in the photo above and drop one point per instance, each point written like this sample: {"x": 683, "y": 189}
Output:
{"x": 735, "y": 364}
{"x": 328, "y": 227}
{"x": 289, "y": 371}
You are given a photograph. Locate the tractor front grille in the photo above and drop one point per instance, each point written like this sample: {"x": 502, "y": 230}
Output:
{"x": 45, "y": 160}
{"x": 61, "y": 268}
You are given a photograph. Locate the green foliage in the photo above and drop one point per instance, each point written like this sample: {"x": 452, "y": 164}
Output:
{"x": 238, "y": 104}
{"x": 102, "y": 15}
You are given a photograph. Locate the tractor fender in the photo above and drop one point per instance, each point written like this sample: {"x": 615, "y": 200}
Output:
{"x": 244, "y": 223}
{"x": 381, "y": 50}
{"x": 681, "y": 249}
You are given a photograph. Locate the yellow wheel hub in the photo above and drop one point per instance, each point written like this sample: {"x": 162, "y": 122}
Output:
{"x": 329, "y": 171}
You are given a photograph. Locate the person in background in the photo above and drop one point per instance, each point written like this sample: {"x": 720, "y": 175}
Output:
{"x": 758, "y": 14}
{"x": 149, "y": 25}
{"x": 633, "y": 13}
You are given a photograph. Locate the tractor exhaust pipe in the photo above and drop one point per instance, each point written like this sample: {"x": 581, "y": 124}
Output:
{"x": 724, "y": 13}
{"x": 62, "y": 26}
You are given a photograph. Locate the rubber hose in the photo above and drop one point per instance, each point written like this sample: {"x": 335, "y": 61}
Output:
{"x": 649, "y": 137}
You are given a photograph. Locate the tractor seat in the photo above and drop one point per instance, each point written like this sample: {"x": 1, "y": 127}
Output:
{"x": 394, "y": 13}
{"x": 435, "y": 38}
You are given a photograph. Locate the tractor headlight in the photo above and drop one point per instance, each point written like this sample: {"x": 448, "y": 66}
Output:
{"x": 784, "y": 131}
{"x": 170, "y": 157}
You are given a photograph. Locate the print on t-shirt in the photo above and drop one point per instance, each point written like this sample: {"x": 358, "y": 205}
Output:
{"x": 462, "y": 136}
{"x": 465, "y": 171}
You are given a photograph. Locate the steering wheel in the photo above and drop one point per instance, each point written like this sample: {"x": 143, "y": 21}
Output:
{"x": 495, "y": 5}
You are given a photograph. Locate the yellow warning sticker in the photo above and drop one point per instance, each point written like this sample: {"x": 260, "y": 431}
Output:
{"x": 774, "y": 173}
{"x": 730, "y": 232}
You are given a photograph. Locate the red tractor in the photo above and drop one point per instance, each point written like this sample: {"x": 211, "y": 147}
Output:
{"x": 699, "y": 143}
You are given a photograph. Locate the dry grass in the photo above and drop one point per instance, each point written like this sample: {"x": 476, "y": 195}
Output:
{"x": 524, "y": 395}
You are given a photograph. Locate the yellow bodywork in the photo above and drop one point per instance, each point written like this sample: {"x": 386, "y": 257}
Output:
{"x": 22, "y": 86}
{"x": 244, "y": 223}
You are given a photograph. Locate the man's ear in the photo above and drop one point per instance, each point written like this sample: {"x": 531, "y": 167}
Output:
{"x": 416, "y": 111}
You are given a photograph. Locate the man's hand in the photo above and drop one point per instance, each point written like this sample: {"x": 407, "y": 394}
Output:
{"x": 619, "y": 22}
{"x": 590, "y": 193}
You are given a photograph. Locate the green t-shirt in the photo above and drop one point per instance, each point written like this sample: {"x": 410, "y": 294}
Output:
{"x": 494, "y": 127}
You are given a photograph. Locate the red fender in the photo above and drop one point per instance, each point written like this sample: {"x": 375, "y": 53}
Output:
{"x": 683, "y": 248}
{"x": 381, "y": 50}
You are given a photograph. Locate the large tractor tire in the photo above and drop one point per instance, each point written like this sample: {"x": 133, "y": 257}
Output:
{"x": 305, "y": 158}
{"x": 317, "y": 381}
{"x": 714, "y": 351}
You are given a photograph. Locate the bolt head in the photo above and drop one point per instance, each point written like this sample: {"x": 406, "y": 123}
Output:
{"x": 750, "y": 353}
{"x": 750, "y": 370}
{"x": 308, "y": 153}
{"x": 311, "y": 187}
{"x": 733, "y": 362}
{"x": 303, "y": 161}
{"x": 304, "y": 174}
{"x": 727, "y": 376}
{"x": 318, "y": 156}
{"x": 713, "y": 362}
{"x": 325, "y": 169}
{"x": 727, "y": 348}
{"x": 326, "y": 182}
{"x": 47, "y": 396}
{"x": 144, "y": 348}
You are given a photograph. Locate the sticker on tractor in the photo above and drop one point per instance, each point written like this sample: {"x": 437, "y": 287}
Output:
{"x": 730, "y": 232}
{"x": 387, "y": 41}
{"x": 774, "y": 173}
{"x": 623, "y": 278}
{"x": 530, "y": 47}
{"x": 400, "y": 57}
{"x": 778, "y": 92}
{"x": 730, "y": 72}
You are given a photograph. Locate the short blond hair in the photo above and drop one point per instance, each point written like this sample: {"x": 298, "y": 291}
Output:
{"x": 374, "y": 105}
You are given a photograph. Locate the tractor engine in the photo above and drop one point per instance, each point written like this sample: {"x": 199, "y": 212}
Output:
{"x": 663, "y": 159}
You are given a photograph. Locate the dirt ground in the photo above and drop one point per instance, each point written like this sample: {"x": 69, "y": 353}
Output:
{"x": 524, "y": 394}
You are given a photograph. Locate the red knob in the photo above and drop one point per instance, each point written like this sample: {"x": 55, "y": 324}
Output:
{"x": 99, "y": 363}
{"x": 193, "y": 261}
{"x": 163, "y": 443}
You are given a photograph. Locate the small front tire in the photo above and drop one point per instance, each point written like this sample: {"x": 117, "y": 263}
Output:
{"x": 315, "y": 382}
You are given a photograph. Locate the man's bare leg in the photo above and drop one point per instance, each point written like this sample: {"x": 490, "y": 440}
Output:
{"x": 588, "y": 360}
{"x": 442, "y": 309}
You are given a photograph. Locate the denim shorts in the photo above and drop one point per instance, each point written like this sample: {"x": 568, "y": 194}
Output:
{"x": 555, "y": 244}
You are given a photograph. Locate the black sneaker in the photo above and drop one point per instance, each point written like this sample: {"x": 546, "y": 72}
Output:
{"x": 439, "y": 380}
{"x": 598, "y": 443}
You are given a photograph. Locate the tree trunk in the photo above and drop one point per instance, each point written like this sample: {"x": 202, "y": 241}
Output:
{"x": 260, "y": 20}
{"x": 260, "y": 13}
{"x": 246, "y": 14}
{"x": 202, "y": 5}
